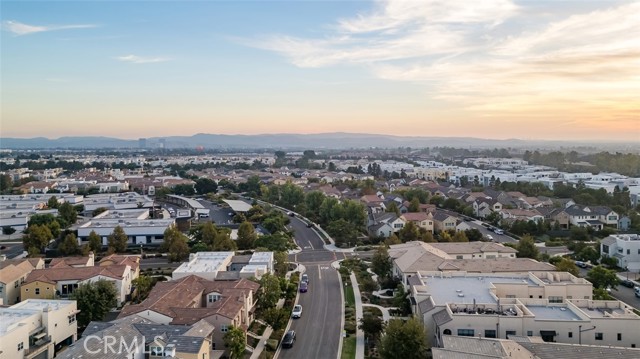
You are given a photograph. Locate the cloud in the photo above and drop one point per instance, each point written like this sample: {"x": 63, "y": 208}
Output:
{"x": 141, "y": 60}
{"x": 491, "y": 57}
{"x": 19, "y": 28}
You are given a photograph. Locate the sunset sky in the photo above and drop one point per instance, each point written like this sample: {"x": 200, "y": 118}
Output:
{"x": 488, "y": 69}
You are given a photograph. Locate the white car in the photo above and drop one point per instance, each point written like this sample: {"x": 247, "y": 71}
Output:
{"x": 498, "y": 231}
{"x": 297, "y": 311}
{"x": 489, "y": 237}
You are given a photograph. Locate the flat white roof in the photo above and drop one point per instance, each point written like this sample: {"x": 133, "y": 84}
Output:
{"x": 464, "y": 290}
{"x": 137, "y": 213}
{"x": 553, "y": 312}
{"x": 205, "y": 262}
{"x": 191, "y": 202}
{"x": 128, "y": 223}
{"x": 238, "y": 206}
{"x": 261, "y": 257}
{"x": 11, "y": 316}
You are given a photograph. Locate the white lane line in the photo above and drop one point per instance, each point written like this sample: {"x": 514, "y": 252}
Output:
{"x": 311, "y": 245}
{"x": 319, "y": 272}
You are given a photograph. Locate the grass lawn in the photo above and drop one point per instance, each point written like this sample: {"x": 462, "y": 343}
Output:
{"x": 349, "y": 298}
{"x": 349, "y": 348}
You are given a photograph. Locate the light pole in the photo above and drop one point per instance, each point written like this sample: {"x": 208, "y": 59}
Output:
{"x": 580, "y": 330}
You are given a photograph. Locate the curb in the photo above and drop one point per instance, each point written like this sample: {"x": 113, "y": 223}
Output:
{"x": 286, "y": 329}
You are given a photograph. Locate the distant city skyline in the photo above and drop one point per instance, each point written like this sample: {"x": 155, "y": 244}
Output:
{"x": 495, "y": 69}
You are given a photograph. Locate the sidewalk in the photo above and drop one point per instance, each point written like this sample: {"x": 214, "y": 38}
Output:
{"x": 261, "y": 344}
{"x": 359, "y": 315}
{"x": 385, "y": 311}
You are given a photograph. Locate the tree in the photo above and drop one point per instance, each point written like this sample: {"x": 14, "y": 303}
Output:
{"x": 143, "y": 285}
{"x": 235, "y": 339}
{"x": 69, "y": 245}
{"x": 343, "y": 232}
{"x": 68, "y": 213}
{"x": 95, "y": 300}
{"x": 118, "y": 240}
{"x": 393, "y": 239}
{"x": 175, "y": 244}
{"x": 269, "y": 291}
{"x": 246, "y": 236}
{"x": 277, "y": 318}
{"x": 393, "y": 208}
{"x": 372, "y": 326}
{"x": 527, "y": 248}
{"x": 602, "y": 278}
{"x": 95, "y": 243}
{"x": 98, "y": 210}
{"x": 8, "y": 230}
{"x": 407, "y": 340}
{"x": 6, "y": 184}
{"x": 409, "y": 232}
{"x": 460, "y": 236}
{"x": 414, "y": 205}
{"x": 381, "y": 262}
{"x": 567, "y": 265}
{"x": 274, "y": 242}
{"x": 206, "y": 185}
{"x": 281, "y": 265}
{"x": 52, "y": 202}
{"x": 37, "y": 238}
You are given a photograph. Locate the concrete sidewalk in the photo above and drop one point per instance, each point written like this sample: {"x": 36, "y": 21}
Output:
{"x": 359, "y": 315}
{"x": 385, "y": 311}
{"x": 261, "y": 344}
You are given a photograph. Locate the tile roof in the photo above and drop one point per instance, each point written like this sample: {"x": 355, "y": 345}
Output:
{"x": 69, "y": 262}
{"x": 14, "y": 269}
{"x": 53, "y": 275}
{"x": 546, "y": 350}
{"x": 472, "y": 247}
{"x": 442, "y": 317}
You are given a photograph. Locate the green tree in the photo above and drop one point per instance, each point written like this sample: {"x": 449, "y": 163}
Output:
{"x": 269, "y": 292}
{"x": 281, "y": 265}
{"x": 143, "y": 285}
{"x": 98, "y": 210}
{"x": 393, "y": 239}
{"x": 95, "y": 243}
{"x": 118, "y": 240}
{"x": 37, "y": 238}
{"x": 274, "y": 242}
{"x": 567, "y": 265}
{"x": 6, "y": 184}
{"x": 602, "y": 278}
{"x": 372, "y": 326}
{"x": 236, "y": 341}
{"x": 68, "y": 213}
{"x": 407, "y": 340}
{"x": 277, "y": 318}
{"x": 246, "y": 236}
{"x": 313, "y": 201}
{"x": 414, "y": 205}
{"x": 460, "y": 236}
{"x": 206, "y": 185}
{"x": 53, "y": 203}
{"x": 175, "y": 244}
{"x": 393, "y": 208}
{"x": 69, "y": 246}
{"x": 527, "y": 248}
{"x": 409, "y": 232}
{"x": 8, "y": 230}
{"x": 381, "y": 262}
{"x": 94, "y": 300}
{"x": 342, "y": 232}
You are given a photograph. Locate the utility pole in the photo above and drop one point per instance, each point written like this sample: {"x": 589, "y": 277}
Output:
{"x": 580, "y": 330}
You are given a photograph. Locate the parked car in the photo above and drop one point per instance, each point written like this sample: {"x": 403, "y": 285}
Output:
{"x": 310, "y": 225}
{"x": 305, "y": 278}
{"x": 289, "y": 339}
{"x": 627, "y": 283}
{"x": 304, "y": 287}
{"x": 581, "y": 264}
{"x": 636, "y": 290}
{"x": 498, "y": 231}
{"x": 489, "y": 237}
{"x": 291, "y": 214}
{"x": 297, "y": 311}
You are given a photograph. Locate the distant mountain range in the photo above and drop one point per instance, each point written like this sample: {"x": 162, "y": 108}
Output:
{"x": 291, "y": 141}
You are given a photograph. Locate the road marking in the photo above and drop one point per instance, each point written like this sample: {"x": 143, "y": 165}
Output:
{"x": 311, "y": 245}
{"x": 319, "y": 272}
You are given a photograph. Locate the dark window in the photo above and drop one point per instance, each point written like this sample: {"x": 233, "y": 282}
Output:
{"x": 510, "y": 332}
{"x": 466, "y": 332}
{"x": 489, "y": 333}
{"x": 447, "y": 332}
{"x": 529, "y": 333}
{"x": 570, "y": 334}
{"x": 619, "y": 336}
{"x": 599, "y": 336}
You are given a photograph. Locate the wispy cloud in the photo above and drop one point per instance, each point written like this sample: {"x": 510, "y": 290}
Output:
{"x": 134, "y": 59}
{"x": 19, "y": 28}
{"x": 475, "y": 54}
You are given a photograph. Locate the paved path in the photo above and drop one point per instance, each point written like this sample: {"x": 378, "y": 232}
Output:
{"x": 385, "y": 311}
{"x": 263, "y": 341}
{"x": 359, "y": 332}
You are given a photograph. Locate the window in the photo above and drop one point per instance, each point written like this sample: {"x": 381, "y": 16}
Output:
{"x": 554, "y": 299}
{"x": 447, "y": 332}
{"x": 529, "y": 333}
{"x": 224, "y": 328}
{"x": 72, "y": 319}
{"x": 214, "y": 298}
{"x": 466, "y": 332}
{"x": 26, "y": 289}
{"x": 570, "y": 335}
{"x": 619, "y": 336}
{"x": 15, "y": 285}
{"x": 569, "y": 297}
{"x": 458, "y": 257}
{"x": 628, "y": 251}
{"x": 489, "y": 333}
{"x": 510, "y": 332}
{"x": 511, "y": 295}
{"x": 37, "y": 291}
{"x": 20, "y": 346}
{"x": 599, "y": 336}
{"x": 539, "y": 297}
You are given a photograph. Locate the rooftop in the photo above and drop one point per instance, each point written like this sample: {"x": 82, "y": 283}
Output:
{"x": 553, "y": 312}
{"x": 238, "y": 206}
{"x": 206, "y": 262}
{"x": 467, "y": 289}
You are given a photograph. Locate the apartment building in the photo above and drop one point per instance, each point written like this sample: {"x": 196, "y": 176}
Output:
{"x": 189, "y": 299}
{"x": 553, "y": 305}
{"x": 34, "y": 328}
{"x": 625, "y": 248}
{"x": 13, "y": 273}
{"x": 225, "y": 265}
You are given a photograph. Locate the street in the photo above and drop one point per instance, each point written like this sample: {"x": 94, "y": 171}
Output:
{"x": 318, "y": 330}
{"x": 12, "y": 249}
{"x": 621, "y": 293}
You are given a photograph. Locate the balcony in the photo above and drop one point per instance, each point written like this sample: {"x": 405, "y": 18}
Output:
{"x": 40, "y": 345}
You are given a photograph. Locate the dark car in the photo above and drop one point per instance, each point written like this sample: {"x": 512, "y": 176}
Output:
{"x": 309, "y": 225}
{"x": 289, "y": 339}
{"x": 627, "y": 283}
{"x": 304, "y": 287}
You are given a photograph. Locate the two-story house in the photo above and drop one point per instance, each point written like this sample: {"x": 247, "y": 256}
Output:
{"x": 421, "y": 219}
{"x": 625, "y": 248}
{"x": 13, "y": 273}
{"x": 444, "y": 222}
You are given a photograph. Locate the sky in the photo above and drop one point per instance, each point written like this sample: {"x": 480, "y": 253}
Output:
{"x": 498, "y": 69}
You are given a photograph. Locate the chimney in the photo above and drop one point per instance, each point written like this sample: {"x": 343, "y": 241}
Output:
{"x": 3, "y": 257}
{"x": 91, "y": 259}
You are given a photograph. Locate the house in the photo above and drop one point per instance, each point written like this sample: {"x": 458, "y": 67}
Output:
{"x": 412, "y": 257}
{"x": 444, "y": 222}
{"x": 226, "y": 265}
{"x": 13, "y": 273}
{"x": 373, "y": 203}
{"x": 140, "y": 338}
{"x": 421, "y": 219}
{"x": 624, "y": 223}
{"x": 75, "y": 262}
{"x": 396, "y": 223}
{"x": 596, "y": 217}
{"x": 552, "y": 305}
{"x": 60, "y": 282}
{"x": 190, "y": 299}
{"x": 625, "y": 248}
{"x": 37, "y": 328}
{"x": 132, "y": 261}
{"x": 381, "y": 230}
{"x": 484, "y": 206}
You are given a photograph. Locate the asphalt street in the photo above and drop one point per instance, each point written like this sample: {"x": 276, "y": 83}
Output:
{"x": 318, "y": 330}
{"x": 12, "y": 249}
{"x": 621, "y": 293}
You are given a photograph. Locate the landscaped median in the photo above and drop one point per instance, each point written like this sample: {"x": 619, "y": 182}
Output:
{"x": 350, "y": 322}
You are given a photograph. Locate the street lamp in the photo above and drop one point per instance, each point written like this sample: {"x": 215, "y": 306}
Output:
{"x": 580, "y": 330}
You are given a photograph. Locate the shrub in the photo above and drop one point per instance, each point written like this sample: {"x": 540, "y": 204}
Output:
{"x": 350, "y": 327}
{"x": 272, "y": 345}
